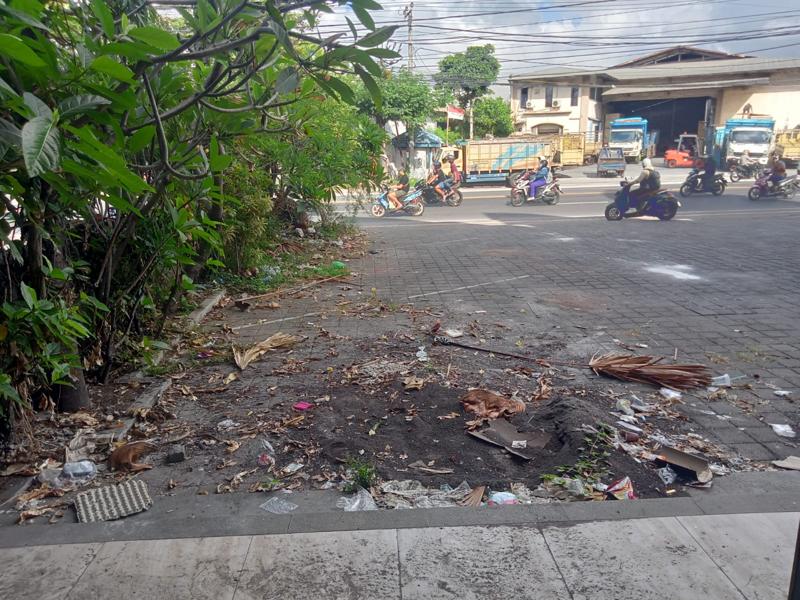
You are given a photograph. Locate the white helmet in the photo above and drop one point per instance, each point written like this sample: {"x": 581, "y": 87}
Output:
{"x": 647, "y": 163}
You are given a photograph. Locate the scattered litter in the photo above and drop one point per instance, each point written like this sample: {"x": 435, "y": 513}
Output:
{"x": 782, "y": 393}
{"x": 670, "y": 394}
{"x": 790, "y": 462}
{"x": 488, "y": 405}
{"x": 278, "y": 506}
{"x": 422, "y": 355}
{"x": 501, "y": 498}
{"x": 421, "y": 466}
{"x": 242, "y": 358}
{"x": 302, "y": 406}
{"x": 79, "y": 473}
{"x": 667, "y": 475}
{"x": 622, "y": 489}
{"x": 721, "y": 381}
{"x": 375, "y": 371}
{"x": 337, "y": 264}
{"x": 227, "y": 425}
{"x": 361, "y": 500}
{"x": 639, "y": 405}
{"x": 177, "y": 454}
{"x": 413, "y": 383}
{"x": 113, "y": 501}
{"x": 20, "y": 469}
{"x": 474, "y": 498}
{"x": 630, "y": 427}
{"x": 453, "y": 333}
{"x": 292, "y": 468}
{"x": 624, "y": 406}
{"x": 267, "y": 456}
{"x": 691, "y": 462}
{"x": 413, "y": 494}
{"x": 719, "y": 469}
{"x": 646, "y": 369}
{"x": 504, "y": 434}
{"x": 783, "y": 430}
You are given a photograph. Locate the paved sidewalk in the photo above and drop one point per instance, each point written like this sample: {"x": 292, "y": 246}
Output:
{"x": 725, "y": 557}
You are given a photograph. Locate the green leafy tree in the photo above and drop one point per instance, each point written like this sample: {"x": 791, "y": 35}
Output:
{"x": 115, "y": 129}
{"x": 493, "y": 117}
{"x": 468, "y": 74}
{"x": 406, "y": 98}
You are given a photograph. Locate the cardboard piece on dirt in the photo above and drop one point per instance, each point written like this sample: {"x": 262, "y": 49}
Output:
{"x": 488, "y": 405}
{"x": 504, "y": 434}
{"x": 687, "y": 461}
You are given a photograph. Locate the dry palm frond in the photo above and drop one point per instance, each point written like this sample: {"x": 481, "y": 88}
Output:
{"x": 242, "y": 358}
{"x": 647, "y": 369}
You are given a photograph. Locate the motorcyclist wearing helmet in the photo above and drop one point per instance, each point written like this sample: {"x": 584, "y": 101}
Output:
{"x": 540, "y": 178}
{"x": 778, "y": 173}
{"x": 708, "y": 166}
{"x": 436, "y": 178}
{"x": 648, "y": 182}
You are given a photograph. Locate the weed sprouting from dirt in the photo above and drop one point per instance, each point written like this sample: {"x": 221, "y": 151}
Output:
{"x": 592, "y": 464}
{"x": 363, "y": 473}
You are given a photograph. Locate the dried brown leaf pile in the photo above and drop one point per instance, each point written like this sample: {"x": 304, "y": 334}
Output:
{"x": 647, "y": 369}
{"x": 242, "y": 358}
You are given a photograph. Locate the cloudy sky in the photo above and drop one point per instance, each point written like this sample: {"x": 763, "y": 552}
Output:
{"x": 532, "y": 35}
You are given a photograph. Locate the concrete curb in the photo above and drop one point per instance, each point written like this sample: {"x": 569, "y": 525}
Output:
{"x": 239, "y": 514}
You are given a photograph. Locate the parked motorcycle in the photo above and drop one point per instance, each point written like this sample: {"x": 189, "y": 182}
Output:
{"x": 661, "y": 204}
{"x": 694, "y": 184}
{"x": 786, "y": 188}
{"x": 549, "y": 193}
{"x": 739, "y": 171}
{"x": 453, "y": 197}
{"x": 412, "y": 203}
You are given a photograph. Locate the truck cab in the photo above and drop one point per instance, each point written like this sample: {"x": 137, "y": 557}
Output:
{"x": 630, "y": 136}
{"x": 754, "y": 135}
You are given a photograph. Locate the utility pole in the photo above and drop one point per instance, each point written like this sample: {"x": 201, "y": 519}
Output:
{"x": 471, "y": 119}
{"x": 408, "y": 13}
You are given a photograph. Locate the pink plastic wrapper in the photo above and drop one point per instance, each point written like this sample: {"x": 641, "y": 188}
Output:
{"x": 302, "y": 405}
{"x": 622, "y": 489}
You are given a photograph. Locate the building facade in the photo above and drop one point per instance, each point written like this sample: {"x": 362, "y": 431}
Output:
{"x": 683, "y": 90}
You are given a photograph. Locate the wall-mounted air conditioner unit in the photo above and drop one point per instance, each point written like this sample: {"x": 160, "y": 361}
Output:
{"x": 529, "y": 104}
{"x": 556, "y": 104}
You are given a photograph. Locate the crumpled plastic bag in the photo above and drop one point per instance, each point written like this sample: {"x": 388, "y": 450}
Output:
{"x": 413, "y": 494}
{"x": 361, "y": 500}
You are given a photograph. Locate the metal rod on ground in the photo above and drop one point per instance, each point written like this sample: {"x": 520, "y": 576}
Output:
{"x": 446, "y": 341}
{"x": 290, "y": 291}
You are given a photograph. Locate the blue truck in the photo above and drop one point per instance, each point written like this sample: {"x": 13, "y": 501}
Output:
{"x": 756, "y": 135}
{"x": 630, "y": 135}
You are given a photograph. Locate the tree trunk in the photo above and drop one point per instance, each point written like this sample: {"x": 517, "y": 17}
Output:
{"x": 72, "y": 398}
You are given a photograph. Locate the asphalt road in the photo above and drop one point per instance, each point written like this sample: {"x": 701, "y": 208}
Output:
{"x": 584, "y": 197}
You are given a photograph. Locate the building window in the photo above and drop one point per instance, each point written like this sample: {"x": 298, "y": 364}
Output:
{"x": 548, "y": 129}
{"x": 573, "y": 96}
{"x": 594, "y": 93}
{"x": 523, "y": 97}
{"x": 548, "y": 96}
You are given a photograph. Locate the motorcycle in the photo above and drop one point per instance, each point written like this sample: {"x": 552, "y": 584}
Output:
{"x": 550, "y": 193}
{"x": 694, "y": 184}
{"x": 453, "y": 196}
{"x": 661, "y": 204}
{"x": 739, "y": 171}
{"x": 787, "y": 188}
{"x": 412, "y": 203}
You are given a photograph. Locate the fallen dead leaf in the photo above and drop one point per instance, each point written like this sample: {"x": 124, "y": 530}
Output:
{"x": 233, "y": 446}
{"x": 242, "y": 358}
{"x": 232, "y": 376}
{"x": 452, "y": 415}
{"x": 413, "y": 383}
{"x": 19, "y": 469}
